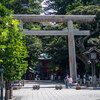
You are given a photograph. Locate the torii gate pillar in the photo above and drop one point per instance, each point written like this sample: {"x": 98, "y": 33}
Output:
{"x": 72, "y": 55}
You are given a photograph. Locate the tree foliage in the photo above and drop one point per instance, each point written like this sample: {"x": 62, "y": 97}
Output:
{"x": 12, "y": 45}
{"x": 61, "y": 5}
{"x": 33, "y": 43}
{"x": 94, "y": 39}
{"x": 6, "y": 2}
{"x": 26, "y": 6}
{"x": 94, "y": 27}
{"x": 34, "y": 47}
{"x": 56, "y": 45}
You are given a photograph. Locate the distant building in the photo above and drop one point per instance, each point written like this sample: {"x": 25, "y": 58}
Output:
{"x": 44, "y": 59}
{"x": 45, "y": 70}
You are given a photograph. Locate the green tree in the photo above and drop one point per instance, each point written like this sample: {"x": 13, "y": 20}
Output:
{"x": 6, "y": 2}
{"x": 56, "y": 47}
{"x": 32, "y": 42}
{"x": 34, "y": 47}
{"x": 31, "y": 7}
{"x": 58, "y": 5}
{"x": 96, "y": 2}
{"x": 82, "y": 43}
{"x": 63, "y": 6}
{"x": 94, "y": 27}
{"x": 12, "y": 46}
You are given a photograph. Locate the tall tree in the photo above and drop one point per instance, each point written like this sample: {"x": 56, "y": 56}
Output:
{"x": 26, "y": 6}
{"x": 56, "y": 47}
{"x": 61, "y": 5}
{"x": 58, "y": 5}
{"x": 32, "y": 42}
{"x": 12, "y": 46}
{"x": 34, "y": 47}
{"x": 6, "y": 2}
{"x": 94, "y": 27}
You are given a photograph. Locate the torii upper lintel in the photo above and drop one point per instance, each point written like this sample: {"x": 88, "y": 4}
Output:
{"x": 54, "y": 18}
{"x": 71, "y": 32}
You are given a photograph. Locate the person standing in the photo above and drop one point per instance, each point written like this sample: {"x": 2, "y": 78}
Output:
{"x": 84, "y": 79}
{"x": 66, "y": 81}
{"x": 84, "y": 76}
{"x": 78, "y": 77}
{"x": 36, "y": 76}
{"x": 70, "y": 80}
{"x": 52, "y": 77}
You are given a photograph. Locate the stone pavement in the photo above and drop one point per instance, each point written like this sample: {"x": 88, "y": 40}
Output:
{"x": 48, "y": 92}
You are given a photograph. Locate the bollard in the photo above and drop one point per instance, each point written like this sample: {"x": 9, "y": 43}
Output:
{"x": 11, "y": 93}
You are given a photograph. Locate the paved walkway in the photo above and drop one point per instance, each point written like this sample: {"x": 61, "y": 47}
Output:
{"x": 48, "y": 92}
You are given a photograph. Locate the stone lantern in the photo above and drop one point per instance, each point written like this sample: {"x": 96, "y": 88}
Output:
{"x": 93, "y": 56}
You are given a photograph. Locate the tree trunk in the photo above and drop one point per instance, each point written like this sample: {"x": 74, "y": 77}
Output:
{"x": 8, "y": 90}
{"x": 11, "y": 93}
{"x": 84, "y": 59}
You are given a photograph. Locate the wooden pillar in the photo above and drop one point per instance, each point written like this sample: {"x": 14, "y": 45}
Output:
{"x": 72, "y": 55}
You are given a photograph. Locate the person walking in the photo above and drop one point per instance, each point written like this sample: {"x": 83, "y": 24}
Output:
{"x": 70, "y": 80}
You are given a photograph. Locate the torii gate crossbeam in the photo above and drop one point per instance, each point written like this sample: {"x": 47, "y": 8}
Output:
{"x": 53, "y": 32}
{"x": 70, "y": 32}
{"x": 54, "y": 18}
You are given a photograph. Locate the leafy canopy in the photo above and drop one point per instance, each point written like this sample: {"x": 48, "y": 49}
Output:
{"x": 12, "y": 45}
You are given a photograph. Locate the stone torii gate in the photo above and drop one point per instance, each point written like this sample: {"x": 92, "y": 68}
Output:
{"x": 71, "y": 32}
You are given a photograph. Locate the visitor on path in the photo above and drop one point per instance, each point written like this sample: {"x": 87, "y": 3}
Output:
{"x": 66, "y": 81}
{"x": 78, "y": 77}
{"x": 52, "y": 77}
{"x": 78, "y": 80}
{"x": 84, "y": 79}
{"x": 70, "y": 80}
{"x": 84, "y": 76}
{"x": 37, "y": 77}
{"x": 90, "y": 79}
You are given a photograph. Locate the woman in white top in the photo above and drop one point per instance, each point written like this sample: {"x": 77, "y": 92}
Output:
{"x": 70, "y": 80}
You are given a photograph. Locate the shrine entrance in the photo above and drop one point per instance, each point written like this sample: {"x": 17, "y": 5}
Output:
{"x": 71, "y": 32}
{"x": 47, "y": 69}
